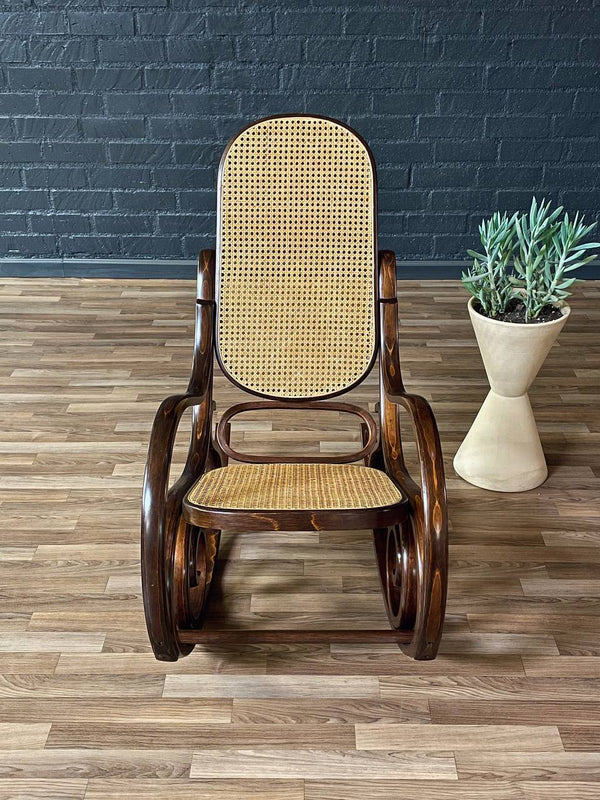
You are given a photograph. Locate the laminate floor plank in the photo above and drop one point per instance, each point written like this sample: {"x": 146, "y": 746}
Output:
{"x": 424, "y": 790}
{"x": 326, "y": 711}
{"x": 115, "y": 686}
{"x": 84, "y": 710}
{"x": 503, "y": 738}
{"x": 79, "y": 762}
{"x": 562, "y": 666}
{"x": 24, "y": 735}
{"x": 557, "y": 790}
{"x": 178, "y": 789}
{"x": 453, "y": 693}
{"x": 541, "y": 766}
{"x": 61, "y": 642}
{"x": 578, "y": 736}
{"x": 270, "y": 686}
{"x": 232, "y": 660}
{"x": 277, "y": 763}
{"x": 42, "y": 788}
{"x": 184, "y": 734}
{"x": 519, "y": 712}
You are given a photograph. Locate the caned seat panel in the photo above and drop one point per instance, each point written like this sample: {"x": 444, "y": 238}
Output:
{"x": 296, "y": 258}
{"x": 281, "y": 487}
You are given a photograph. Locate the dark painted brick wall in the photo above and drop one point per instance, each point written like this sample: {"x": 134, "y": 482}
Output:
{"x": 113, "y": 113}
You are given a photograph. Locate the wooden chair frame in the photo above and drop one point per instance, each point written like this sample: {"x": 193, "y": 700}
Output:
{"x": 180, "y": 541}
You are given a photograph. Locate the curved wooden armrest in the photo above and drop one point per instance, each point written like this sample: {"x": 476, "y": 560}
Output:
{"x": 433, "y": 485}
{"x": 160, "y": 452}
{"x": 161, "y": 505}
{"x": 428, "y": 500}
{"x": 199, "y": 394}
{"x": 429, "y": 514}
{"x": 394, "y": 394}
{"x": 161, "y": 511}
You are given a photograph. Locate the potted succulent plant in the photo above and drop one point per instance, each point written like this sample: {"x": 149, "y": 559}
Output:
{"x": 519, "y": 285}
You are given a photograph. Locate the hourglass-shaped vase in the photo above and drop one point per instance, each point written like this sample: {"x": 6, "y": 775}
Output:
{"x": 502, "y": 450}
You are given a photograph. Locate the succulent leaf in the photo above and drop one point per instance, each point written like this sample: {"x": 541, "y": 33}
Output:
{"x": 542, "y": 249}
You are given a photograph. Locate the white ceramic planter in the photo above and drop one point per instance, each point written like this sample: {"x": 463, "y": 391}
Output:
{"x": 502, "y": 450}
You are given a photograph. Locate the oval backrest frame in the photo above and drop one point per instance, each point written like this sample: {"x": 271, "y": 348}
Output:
{"x": 373, "y": 289}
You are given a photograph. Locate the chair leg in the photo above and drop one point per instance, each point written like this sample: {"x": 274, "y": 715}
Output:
{"x": 176, "y": 580}
{"x": 414, "y": 595}
{"x": 394, "y": 548}
{"x": 193, "y": 565}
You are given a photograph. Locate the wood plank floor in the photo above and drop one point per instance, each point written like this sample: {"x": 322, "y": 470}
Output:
{"x": 510, "y": 710}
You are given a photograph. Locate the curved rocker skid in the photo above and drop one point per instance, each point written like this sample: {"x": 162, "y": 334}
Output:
{"x": 177, "y": 558}
{"x": 412, "y": 556}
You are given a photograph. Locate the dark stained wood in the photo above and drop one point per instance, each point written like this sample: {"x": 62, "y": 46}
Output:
{"x": 240, "y": 520}
{"x": 410, "y": 538}
{"x": 369, "y": 434}
{"x": 416, "y": 589}
{"x": 194, "y": 560}
{"x": 240, "y": 636}
{"x": 162, "y": 521}
{"x": 180, "y": 539}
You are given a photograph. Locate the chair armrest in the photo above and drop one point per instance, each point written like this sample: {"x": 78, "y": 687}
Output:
{"x": 161, "y": 505}
{"x": 199, "y": 394}
{"x": 427, "y": 500}
{"x": 394, "y": 394}
{"x": 161, "y": 513}
{"x": 433, "y": 486}
{"x": 160, "y": 451}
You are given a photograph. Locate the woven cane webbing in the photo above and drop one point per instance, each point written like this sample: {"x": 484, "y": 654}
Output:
{"x": 296, "y": 258}
{"x": 294, "y": 486}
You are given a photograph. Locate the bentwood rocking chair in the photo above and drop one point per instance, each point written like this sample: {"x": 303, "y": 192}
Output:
{"x": 296, "y": 303}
